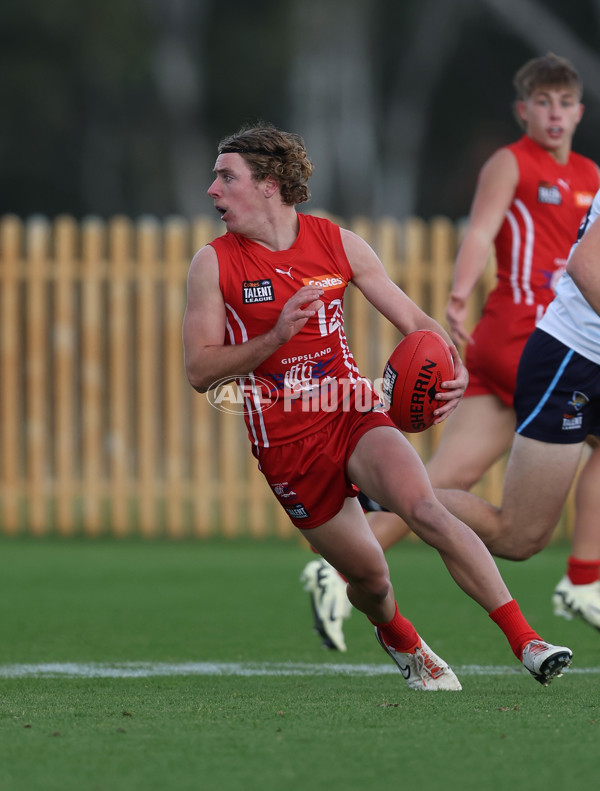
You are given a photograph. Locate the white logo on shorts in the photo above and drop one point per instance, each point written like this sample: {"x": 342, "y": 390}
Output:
{"x": 569, "y": 423}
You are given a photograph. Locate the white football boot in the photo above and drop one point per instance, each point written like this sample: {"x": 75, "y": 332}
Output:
{"x": 580, "y": 600}
{"x": 422, "y": 669}
{"x": 545, "y": 661}
{"x": 328, "y": 600}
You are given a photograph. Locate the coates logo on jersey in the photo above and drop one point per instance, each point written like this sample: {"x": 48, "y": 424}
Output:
{"x": 245, "y": 394}
{"x": 326, "y": 282}
{"x": 583, "y": 199}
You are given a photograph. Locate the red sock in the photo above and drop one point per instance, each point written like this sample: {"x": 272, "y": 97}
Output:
{"x": 399, "y": 633}
{"x": 516, "y": 629}
{"x": 583, "y": 572}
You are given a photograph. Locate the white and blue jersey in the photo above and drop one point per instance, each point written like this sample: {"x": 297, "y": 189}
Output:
{"x": 557, "y": 397}
{"x": 570, "y": 318}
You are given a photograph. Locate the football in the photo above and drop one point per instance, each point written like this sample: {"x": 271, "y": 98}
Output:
{"x": 412, "y": 377}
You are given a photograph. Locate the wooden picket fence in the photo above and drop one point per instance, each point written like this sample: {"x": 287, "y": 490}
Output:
{"x": 100, "y": 432}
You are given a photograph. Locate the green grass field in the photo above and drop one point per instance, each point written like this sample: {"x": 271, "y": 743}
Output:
{"x": 194, "y": 666}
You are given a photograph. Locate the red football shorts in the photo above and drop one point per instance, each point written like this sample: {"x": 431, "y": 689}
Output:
{"x": 499, "y": 338}
{"x": 309, "y": 476}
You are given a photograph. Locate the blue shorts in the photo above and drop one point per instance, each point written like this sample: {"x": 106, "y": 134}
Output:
{"x": 557, "y": 399}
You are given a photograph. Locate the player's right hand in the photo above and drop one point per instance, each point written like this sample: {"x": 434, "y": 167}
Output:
{"x": 456, "y": 315}
{"x": 299, "y": 308}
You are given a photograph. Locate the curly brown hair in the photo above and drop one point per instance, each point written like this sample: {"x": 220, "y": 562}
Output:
{"x": 272, "y": 152}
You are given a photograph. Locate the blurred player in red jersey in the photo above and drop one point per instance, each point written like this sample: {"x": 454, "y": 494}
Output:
{"x": 265, "y": 306}
{"x": 530, "y": 198}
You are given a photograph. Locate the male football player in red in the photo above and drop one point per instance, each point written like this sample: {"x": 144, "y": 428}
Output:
{"x": 265, "y": 304}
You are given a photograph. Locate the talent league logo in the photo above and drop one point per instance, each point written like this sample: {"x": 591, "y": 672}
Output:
{"x": 549, "y": 193}
{"x": 254, "y": 291}
{"x": 297, "y": 511}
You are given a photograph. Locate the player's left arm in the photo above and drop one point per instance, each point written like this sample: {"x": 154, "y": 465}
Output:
{"x": 371, "y": 278}
{"x": 583, "y": 265}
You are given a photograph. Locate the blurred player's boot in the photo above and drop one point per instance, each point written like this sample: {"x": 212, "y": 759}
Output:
{"x": 422, "y": 669}
{"x": 545, "y": 661}
{"x": 328, "y": 600}
{"x": 580, "y": 600}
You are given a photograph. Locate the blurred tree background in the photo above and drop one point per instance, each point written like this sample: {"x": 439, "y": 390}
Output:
{"x": 116, "y": 107}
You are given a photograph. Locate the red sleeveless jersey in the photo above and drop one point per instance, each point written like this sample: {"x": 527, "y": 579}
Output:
{"x": 541, "y": 223}
{"x": 308, "y": 380}
{"x": 532, "y": 247}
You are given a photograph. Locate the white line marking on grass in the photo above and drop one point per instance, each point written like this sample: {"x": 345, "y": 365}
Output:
{"x": 147, "y": 669}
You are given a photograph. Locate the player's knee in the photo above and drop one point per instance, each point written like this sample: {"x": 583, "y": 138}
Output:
{"x": 425, "y": 517}
{"x": 376, "y": 585}
{"x": 523, "y": 548}
{"x": 378, "y": 589}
